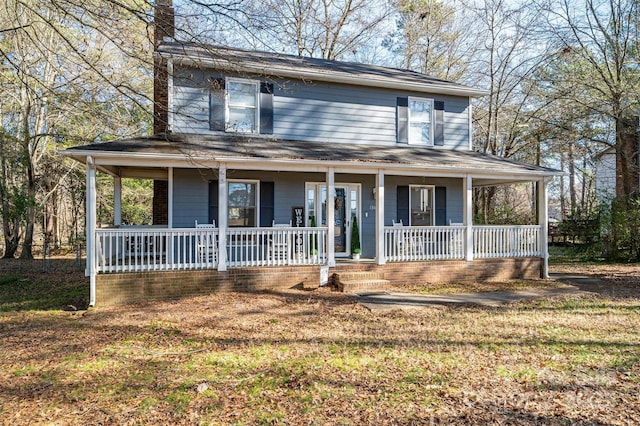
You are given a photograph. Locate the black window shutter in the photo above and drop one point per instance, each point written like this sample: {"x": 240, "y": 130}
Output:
{"x": 213, "y": 202}
{"x": 402, "y": 120}
{"x": 438, "y": 138}
{"x": 266, "y": 203}
{"x": 441, "y": 206}
{"x": 216, "y": 104}
{"x": 403, "y": 204}
{"x": 266, "y": 108}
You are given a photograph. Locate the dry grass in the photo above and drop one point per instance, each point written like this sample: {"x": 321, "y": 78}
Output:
{"x": 318, "y": 358}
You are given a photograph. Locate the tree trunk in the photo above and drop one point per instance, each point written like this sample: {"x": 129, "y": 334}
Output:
{"x": 11, "y": 237}
{"x": 27, "y": 244}
{"x": 572, "y": 181}
{"x": 10, "y": 217}
{"x": 626, "y": 157}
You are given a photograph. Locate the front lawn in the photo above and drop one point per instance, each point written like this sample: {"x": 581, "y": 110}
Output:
{"x": 318, "y": 358}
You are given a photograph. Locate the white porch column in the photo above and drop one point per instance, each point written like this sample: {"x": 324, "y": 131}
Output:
{"x": 543, "y": 220}
{"x": 222, "y": 217}
{"x": 117, "y": 201}
{"x": 91, "y": 229}
{"x": 331, "y": 222}
{"x": 467, "y": 207}
{"x": 170, "y": 197}
{"x": 380, "y": 257}
{"x": 170, "y": 246}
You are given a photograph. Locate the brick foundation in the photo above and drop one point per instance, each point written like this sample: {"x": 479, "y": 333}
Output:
{"x": 118, "y": 289}
{"x": 400, "y": 274}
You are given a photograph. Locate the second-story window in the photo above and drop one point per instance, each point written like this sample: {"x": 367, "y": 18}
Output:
{"x": 420, "y": 121}
{"x": 242, "y": 106}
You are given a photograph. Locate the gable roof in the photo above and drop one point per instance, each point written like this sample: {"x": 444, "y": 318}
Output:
{"x": 193, "y": 150}
{"x": 298, "y": 67}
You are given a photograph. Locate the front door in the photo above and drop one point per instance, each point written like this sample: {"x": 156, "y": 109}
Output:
{"x": 346, "y": 205}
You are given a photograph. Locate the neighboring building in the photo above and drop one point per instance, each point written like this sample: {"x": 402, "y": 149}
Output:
{"x": 606, "y": 172}
{"x": 605, "y": 163}
{"x": 265, "y": 146}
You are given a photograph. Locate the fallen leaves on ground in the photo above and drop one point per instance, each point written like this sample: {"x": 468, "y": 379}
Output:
{"x": 316, "y": 357}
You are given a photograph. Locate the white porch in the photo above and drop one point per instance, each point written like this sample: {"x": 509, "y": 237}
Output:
{"x": 121, "y": 249}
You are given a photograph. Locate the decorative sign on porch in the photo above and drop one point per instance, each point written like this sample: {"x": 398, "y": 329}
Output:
{"x": 297, "y": 220}
{"x": 297, "y": 216}
{"x": 324, "y": 275}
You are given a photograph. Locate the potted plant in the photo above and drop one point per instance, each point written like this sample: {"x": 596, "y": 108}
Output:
{"x": 355, "y": 239}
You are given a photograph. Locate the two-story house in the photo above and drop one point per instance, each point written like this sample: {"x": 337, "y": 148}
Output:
{"x": 263, "y": 162}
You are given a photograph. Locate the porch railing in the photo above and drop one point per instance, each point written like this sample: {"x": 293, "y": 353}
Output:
{"x": 138, "y": 249}
{"x": 409, "y": 243}
{"x": 415, "y": 243}
{"x": 276, "y": 246}
{"x": 506, "y": 241}
{"x": 156, "y": 249}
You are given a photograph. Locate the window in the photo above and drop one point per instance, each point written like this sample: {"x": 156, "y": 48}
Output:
{"x": 420, "y": 121}
{"x": 421, "y": 202}
{"x": 242, "y": 106}
{"x": 316, "y": 197}
{"x": 242, "y": 202}
{"x": 239, "y": 105}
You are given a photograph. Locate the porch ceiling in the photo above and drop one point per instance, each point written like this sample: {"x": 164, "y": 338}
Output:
{"x": 207, "y": 151}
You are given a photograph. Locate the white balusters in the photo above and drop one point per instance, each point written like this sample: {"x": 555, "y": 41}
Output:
{"x": 420, "y": 243}
{"x": 137, "y": 249}
{"x": 506, "y": 241}
{"x": 414, "y": 243}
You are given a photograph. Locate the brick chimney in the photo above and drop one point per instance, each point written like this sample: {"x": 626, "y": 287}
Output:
{"x": 164, "y": 18}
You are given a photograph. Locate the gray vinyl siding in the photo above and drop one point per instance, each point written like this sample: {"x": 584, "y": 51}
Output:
{"x": 190, "y": 197}
{"x": 190, "y": 101}
{"x": 318, "y": 112}
{"x": 335, "y": 113}
{"x": 191, "y": 193}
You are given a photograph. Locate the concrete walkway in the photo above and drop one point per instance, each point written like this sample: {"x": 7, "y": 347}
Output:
{"x": 377, "y": 301}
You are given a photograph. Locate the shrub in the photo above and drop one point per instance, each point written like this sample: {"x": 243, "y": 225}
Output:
{"x": 355, "y": 237}
{"x": 623, "y": 236}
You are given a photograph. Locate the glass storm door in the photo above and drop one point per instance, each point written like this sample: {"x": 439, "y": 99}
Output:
{"x": 340, "y": 217}
{"x": 346, "y": 205}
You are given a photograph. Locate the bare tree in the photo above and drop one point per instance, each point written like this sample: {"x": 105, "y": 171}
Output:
{"x": 329, "y": 29}
{"x": 602, "y": 35}
{"x": 503, "y": 65}
{"x": 433, "y": 37}
{"x": 64, "y": 76}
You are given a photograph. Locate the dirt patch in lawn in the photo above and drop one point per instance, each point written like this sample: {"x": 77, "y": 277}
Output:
{"x": 317, "y": 357}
